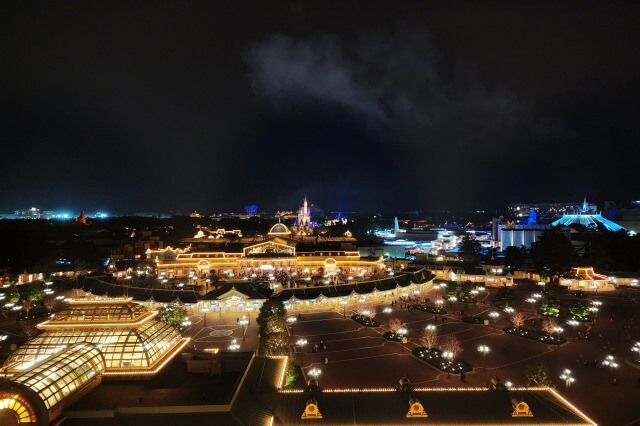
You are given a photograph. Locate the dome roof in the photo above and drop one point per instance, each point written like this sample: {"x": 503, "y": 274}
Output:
{"x": 279, "y": 229}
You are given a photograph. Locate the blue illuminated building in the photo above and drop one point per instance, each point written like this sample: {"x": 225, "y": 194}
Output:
{"x": 587, "y": 218}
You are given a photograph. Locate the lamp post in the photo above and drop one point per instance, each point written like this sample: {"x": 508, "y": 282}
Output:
{"x": 557, "y": 330}
{"x": 509, "y": 310}
{"x": 301, "y": 343}
{"x": 494, "y": 315}
{"x": 449, "y": 357}
{"x": 437, "y": 286}
{"x": 566, "y": 376}
{"x": 543, "y": 284}
{"x": 484, "y": 349}
{"x": 610, "y": 361}
{"x": 315, "y": 373}
{"x": 402, "y": 332}
{"x": 453, "y": 300}
{"x": 234, "y": 346}
{"x": 243, "y": 322}
{"x": 573, "y": 323}
{"x": 439, "y": 303}
{"x": 636, "y": 348}
{"x": 597, "y": 305}
{"x": 532, "y": 301}
{"x": 205, "y": 310}
{"x": 344, "y": 308}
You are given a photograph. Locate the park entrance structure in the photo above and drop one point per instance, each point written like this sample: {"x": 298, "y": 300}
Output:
{"x": 133, "y": 343}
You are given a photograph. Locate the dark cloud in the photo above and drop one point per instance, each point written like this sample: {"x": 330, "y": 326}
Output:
{"x": 433, "y": 120}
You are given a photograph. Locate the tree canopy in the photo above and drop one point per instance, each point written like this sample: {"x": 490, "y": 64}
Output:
{"x": 553, "y": 253}
{"x": 469, "y": 247}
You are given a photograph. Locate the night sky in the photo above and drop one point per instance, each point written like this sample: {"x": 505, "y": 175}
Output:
{"x": 360, "y": 105}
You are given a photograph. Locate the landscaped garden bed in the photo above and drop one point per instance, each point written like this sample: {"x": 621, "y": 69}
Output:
{"x": 365, "y": 320}
{"x": 434, "y": 358}
{"x": 536, "y": 335}
{"x": 393, "y": 337}
{"x": 473, "y": 320}
{"x": 430, "y": 309}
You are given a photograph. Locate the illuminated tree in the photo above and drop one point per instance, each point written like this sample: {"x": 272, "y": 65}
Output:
{"x": 450, "y": 343}
{"x": 517, "y": 319}
{"x": 36, "y": 292}
{"x": 278, "y": 344}
{"x": 548, "y": 325}
{"x": 429, "y": 337}
{"x": 27, "y": 305}
{"x": 50, "y": 302}
{"x": 538, "y": 375}
{"x": 13, "y": 295}
{"x": 372, "y": 312}
{"x": 173, "y": 314}
{"x": 394, "y": 325}
{"x": 276, "y": 325}
{"x": 268, "y": 310}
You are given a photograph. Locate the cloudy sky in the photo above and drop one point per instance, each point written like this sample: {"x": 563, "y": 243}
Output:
{"x": 360, "y": 105}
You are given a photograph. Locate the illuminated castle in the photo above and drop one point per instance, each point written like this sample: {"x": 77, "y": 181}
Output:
{"x": 304, "y": 214}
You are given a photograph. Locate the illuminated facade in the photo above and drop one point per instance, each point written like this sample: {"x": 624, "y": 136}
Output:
{"x": 588, "y": 217}
{"x": 277, "y": 252}
{"x": 584, "y": 278}
{"x": 132, "y": 342}
{"x": 511, "y": 234}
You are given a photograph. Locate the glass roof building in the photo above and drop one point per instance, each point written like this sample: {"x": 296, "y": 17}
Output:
{"x": 37, "y": 395}
{"x": 132, "y": 342}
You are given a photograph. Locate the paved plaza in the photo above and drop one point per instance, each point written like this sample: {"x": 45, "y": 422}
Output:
{"x": 360, "y": 357}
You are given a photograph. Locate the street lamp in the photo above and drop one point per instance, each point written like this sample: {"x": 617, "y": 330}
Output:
{"x": 634, "y": 348}
{"x": 301, "y": 343}
{"x": 186, "y": 323}
{"x": 402, "y": 332}
{"x": 439, "y": 302}
{"x": 453, "y": 300}
{"x": 610, "y": 361}
{"x": 573, "y": 323}
{"x": 509, "y": 310}
{"x": 532, "y": 301}
{"x": 204, "y": 311}
{"x": 494, "y": 315}
{"x": 344, "y": 308}
{"x": 484, "y": 349}
{"x": 387, "y": 310}
{"x": 243, "y": 322}
{"x": 437, "y": 286}
{"x": 449, "y": 357}
{"x": 557, "y": 330}
{"x": 315, "y": 373}
{"x": 234, "y": 346}
{"x": 566, "y": 376}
